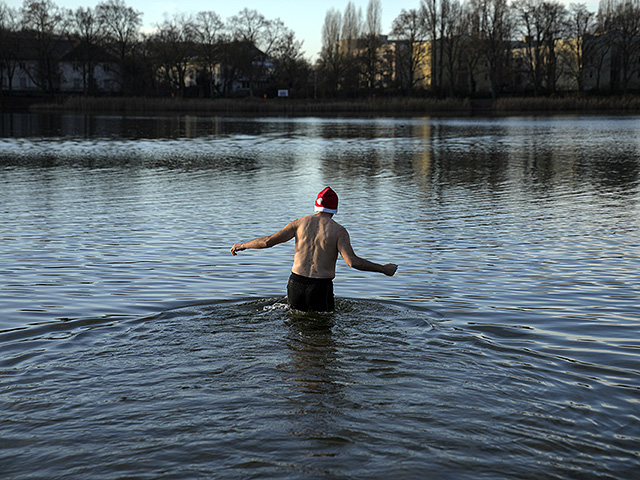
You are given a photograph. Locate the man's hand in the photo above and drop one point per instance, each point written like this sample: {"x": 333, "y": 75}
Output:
{"x": 237, "y": 247}
{"x": 389, "y": 269}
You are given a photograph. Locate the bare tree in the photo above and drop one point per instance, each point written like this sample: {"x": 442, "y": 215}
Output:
{"x": 351, "y": 27}
{"x": 438, "y": 16}
{"x": 542, "y": 24}
{"x": 554, "y": 14}
{"x": 602, "y": 44}
{"x": 173, "y": 47}
{"x": 529, "y": 22}
{"x": 351, "y": 34}
{"x": 372, "y": 32}
{"x": 122, "y": 27}
{"x": 252, "y": 27}
{"x": 578, "y": 51}
{"x": 454, "y": 41}
{"x": 626, "y": 40}
{"x": 332, "y": 58}
{"x": 494, "y": 37}
{"x": 9, "y": 44}
{"x": 208, "y": 29}
{"x": 248, "y": 25}
{"x": 410, "y": 30}
{"x": 431, "y": 11}
{"x": 373, "y": 23}
{"x": 254, "y": 38}
{"x": 291, "y": 70}
{"x": 87, "y": 29}
{"x": 474, "y": 51}
{"x": 45, "y": 21}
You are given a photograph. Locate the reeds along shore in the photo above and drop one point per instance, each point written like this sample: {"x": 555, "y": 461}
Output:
{"x": 252, "y": 105}
{"x": 415, "y": 106}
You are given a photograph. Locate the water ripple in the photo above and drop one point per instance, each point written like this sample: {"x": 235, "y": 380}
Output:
{"x": 506, "y": 344}
{"x": 329, "y": 392}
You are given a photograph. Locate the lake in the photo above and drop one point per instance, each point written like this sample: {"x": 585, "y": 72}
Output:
{"x": 133, "y": 345}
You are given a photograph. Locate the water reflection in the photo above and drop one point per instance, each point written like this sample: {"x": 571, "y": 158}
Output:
{"x": 521, "y": 233}
{"x": 537, "y": 154}
{"x": 316, "y": 380}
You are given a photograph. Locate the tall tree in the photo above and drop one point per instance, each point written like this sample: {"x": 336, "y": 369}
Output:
{"x": 351, "y": 34}
{"x": 474, "y": 51}
{"x": 332, "y": 56}
{"x": 173, "y": 47}
{"x": 494, "y": 36}
{"x": 542, "y": 24}
{"x": 87, "y": 30}
{"x": 626, "y": 28}
{"x": 208, "y": 30}
{"x": 45, "y": 21}
{"x": 454, "y": 40}
{"x": 603, "y": 43}
{"x": 254, "y": 39}
{"x": 291, "y": 70}
{"x": 437, "y": 14}
{"x": 554, "y": 14}
{"x": 578, "y": 51}
{"x": 431, "y": 12}
{"x": 9, "y": 44}
{"x": 122, "y": 30}
{"x": 372, "y": 33}
{"x": 351, "y": 27}
{"x": 410, "y": 30}
{"x": 529, "y": 22}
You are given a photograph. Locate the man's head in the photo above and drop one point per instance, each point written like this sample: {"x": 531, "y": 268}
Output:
{"x": 327, "y": 201}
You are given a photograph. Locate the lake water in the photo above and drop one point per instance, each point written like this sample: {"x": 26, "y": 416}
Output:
{"x": 133, "y": 345}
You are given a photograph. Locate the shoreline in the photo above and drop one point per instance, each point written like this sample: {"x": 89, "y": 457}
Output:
{"x": 372, "y": 106}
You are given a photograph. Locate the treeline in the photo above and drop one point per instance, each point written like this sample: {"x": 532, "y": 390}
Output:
{"x": 159, "y": 62}
{"x": 450, "y": 47}
{"x": 442, "y": 47}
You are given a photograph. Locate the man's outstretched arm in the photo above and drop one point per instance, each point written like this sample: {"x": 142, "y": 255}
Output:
{"x": 354, "y": 261}
{"x": 284, "y": 235}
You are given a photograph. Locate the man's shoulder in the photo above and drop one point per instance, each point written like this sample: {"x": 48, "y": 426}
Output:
{"x": 302, "y": 220}
{"x": 338, "y": 226}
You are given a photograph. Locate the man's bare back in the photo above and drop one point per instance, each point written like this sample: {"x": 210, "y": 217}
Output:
{"x": 316, "y": 250}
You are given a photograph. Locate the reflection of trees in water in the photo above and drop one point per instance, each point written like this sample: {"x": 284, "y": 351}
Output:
{"x": 533, "y": 163}
{"x": 620, "y": 176}
{"x": 433, "y": 153}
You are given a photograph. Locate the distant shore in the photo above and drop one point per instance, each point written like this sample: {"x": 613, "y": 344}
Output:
{"x": 371, "y": 106}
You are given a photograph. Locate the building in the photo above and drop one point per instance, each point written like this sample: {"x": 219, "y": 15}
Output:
{"x": 56, "y": 65}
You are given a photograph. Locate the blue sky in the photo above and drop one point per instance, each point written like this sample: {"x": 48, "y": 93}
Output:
{"x": 305, "y": 18}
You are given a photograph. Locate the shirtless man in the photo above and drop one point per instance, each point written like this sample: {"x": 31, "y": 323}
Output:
{"x": 319, "y": 239}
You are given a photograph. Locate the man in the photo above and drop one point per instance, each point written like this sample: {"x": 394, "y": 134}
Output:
{"x": 319, "y": 239}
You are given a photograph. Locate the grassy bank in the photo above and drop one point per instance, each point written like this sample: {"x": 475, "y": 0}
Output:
{"x": 375, "y": 106}
{"x": 586, "y": 104}
{"x": 142, "y": 105}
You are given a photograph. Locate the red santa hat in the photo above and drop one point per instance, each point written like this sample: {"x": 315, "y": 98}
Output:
{"x": 327, "y": 201}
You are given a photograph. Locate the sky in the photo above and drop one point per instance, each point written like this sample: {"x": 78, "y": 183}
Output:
{"x": 304, "y": 17}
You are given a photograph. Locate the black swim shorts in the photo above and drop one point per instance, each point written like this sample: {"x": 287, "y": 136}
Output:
{"x": 306, "y": 294}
